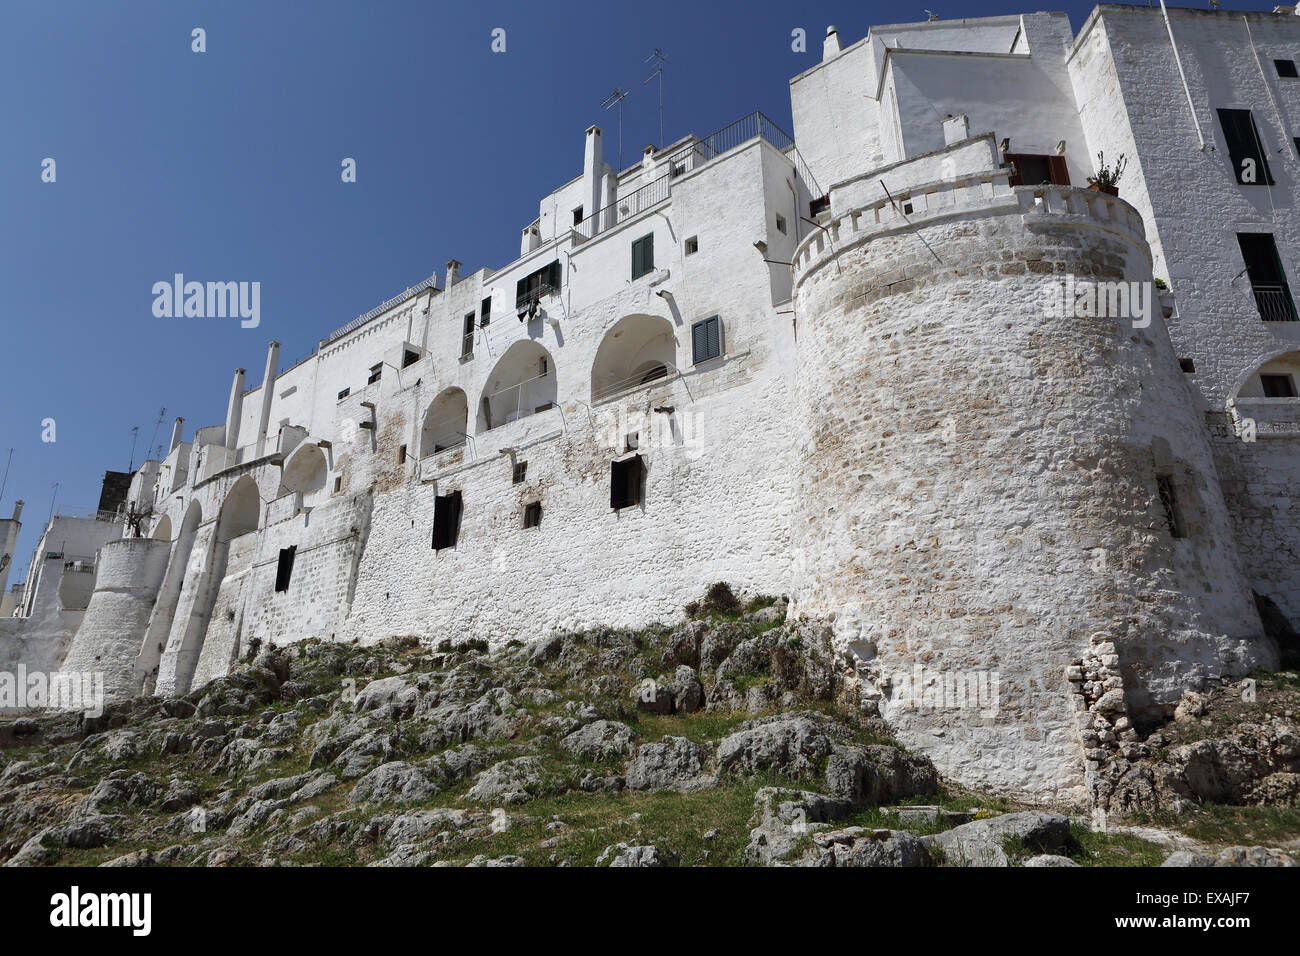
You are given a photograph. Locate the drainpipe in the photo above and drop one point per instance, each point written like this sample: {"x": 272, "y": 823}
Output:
{"x": 1186, "y": 89}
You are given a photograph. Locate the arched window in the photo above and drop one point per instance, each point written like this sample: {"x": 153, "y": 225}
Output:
{"x": 445, "y": 423}
{"x": 636, "y": 351}
{"x": 522, "y": 383}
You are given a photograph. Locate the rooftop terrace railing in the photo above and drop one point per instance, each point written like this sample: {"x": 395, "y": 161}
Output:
{"x": 361, "y": 320}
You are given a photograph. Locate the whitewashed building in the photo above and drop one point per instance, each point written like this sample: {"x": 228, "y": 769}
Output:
{"x": 833, "y": 371}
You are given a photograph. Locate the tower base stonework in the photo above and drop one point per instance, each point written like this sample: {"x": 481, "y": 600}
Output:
{"x": 984, "y": 477}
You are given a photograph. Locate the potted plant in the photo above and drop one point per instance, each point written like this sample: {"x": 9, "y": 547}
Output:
{"x": 1107, "y": 178}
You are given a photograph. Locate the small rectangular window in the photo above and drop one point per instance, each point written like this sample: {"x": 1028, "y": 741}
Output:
{"x": 409, "y": 358}
{"x": 692, "y": 245}
{"x": 446, "y": 520}
{"x": 1169, "y": 501}
{"x": 467, "y": 337}
{"x": 284, "y": 570}
{"x": 344, "y": 394}
{"x": 780, "y": 223}
{"x": 520, "y": 472}
{"x": 706, "y": 339}
{"x": 1245, "y": 148}
{"x": 625, "y": 482}
{"x": 375, "y": 372}
{"x": 577, "y": 216}
{"x": 1285, "y": 68}
{"x": 643, "y": 256}
{"x": 485, "y": 312}
{"x": 338, "y": 484}
{"x": 1187, "y": 365}
{"x": 401, "y": 455}
{"x": 533, "y": 514}
{"x": 1278, "y": 386}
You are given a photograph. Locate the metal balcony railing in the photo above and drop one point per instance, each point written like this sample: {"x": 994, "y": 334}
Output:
{"x": 1274, "y": 302}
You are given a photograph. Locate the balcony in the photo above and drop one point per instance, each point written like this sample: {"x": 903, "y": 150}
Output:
{"x": 1274, "y": 302}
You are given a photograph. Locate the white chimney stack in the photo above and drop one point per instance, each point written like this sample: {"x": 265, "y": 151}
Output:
{"x": 831, "y": 45}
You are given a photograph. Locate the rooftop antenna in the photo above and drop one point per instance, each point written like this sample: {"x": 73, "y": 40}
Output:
{"x": 135, "y": 433}
{"x": 660, "y": 58}
{"x": 616, "y": 99}
{"x": 53, "y": 498}
{"x": 931, "y": 16}
{"x": 6, "y": 478}
{"x": 162, "y": 412}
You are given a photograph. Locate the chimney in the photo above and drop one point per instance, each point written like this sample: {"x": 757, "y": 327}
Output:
{"x": 955, "y": 129}
{"x": 831, "y": 45}
{"x": 593, "y": 161}
{"x": 176, "y": 434}
{"x": 453, "y": 273}
{"x": 648, "y": 163}
{"x": 268, "y": 388}
{"x": 234, "y": 409}
{"x": 18, "y": 509}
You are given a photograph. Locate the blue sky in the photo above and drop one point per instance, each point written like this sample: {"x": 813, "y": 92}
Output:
{"x": 225, "y": 166}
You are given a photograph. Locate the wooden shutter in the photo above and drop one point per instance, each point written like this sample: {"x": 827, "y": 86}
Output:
{"x": 706, "y": 339}
{"x": 521, "y": 292}
{"x": 446, "y": 520}
{"x": 1060, "y": 172}
{"x": 553, "y": 274}
{"x": 285, "y": 569}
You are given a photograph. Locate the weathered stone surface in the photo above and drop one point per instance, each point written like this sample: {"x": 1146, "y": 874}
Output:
{"x": 980, "y": 842}
{"x": 674, "y": 763}
{"x": 600, "y": 740}
{"x": 1232, "y": 856}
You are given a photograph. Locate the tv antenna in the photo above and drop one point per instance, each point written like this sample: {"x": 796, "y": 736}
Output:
{"x": 162, "y": 413}
{"x": 660, "y": 58}
{"x": 53, "y": 498}
{"x": 135, "y": 433}
{"x": 6, "y": 478}
{"x": 616, "y": 99}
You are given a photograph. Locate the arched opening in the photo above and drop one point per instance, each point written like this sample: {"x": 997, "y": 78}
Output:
{"x": 306, "y": 471}
{"x": 163, "y": 529}
{"x": 445, "y": 423}
{"x": 637, "y": 350}
{"x": 522, "y": 383}
{"x": 241, "y": 511}
{"x": 164, "y": 609}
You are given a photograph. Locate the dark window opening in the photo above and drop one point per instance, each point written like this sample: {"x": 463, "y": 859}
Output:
{"x": 485, "y": 312}
{"x": 693, "y": 244}
{"x": 446, "y": 520}
{"x": 631, "y": 441}
{"x": 520, "y": 472}
{"x": 344, "y": 394}
{"x": 1187, "y": 365}
{"x": 284, "y": 570}
{"x": 338, "y": 483}
{"x": 1278, "y": 386}
{"x": 1267, "y": 280}
{"x": 375, "y": 372}
{"x": 577, "y": 216}
{"x": 467, "y": 337}
{"x": 1285, "y": 68}
{"x": 780, "y": 223}
{"x": 818, "y": 206}
{"x": 409, "y": 358}
{"x": 1169, "y": 501}
{"x": 1245, "y": 148}
{"x": 625, "y": 481}
{"x": 533, "y": 514}
{"x": 706, "y": 339}
{"x": 679, "y": 169}
{"x": 643, "y": 256}
{"x": 1035, "y": 169}
{"x": 542, "y": 282}
{"x": 401, "y": 455}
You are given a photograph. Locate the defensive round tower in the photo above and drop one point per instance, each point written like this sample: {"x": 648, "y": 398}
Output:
{"x": 1008, "y": 505}
{"x": 128, "y": 573}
